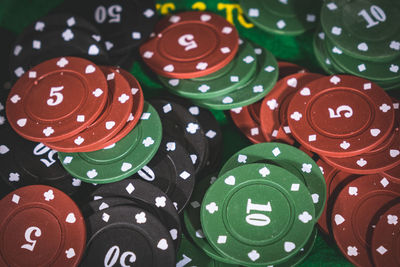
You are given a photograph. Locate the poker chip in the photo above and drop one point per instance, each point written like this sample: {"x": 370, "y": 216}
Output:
{"x": 255, "y": 89}
{"x": 177, "y": 51}
{"x": 385, "y": 237}
{"x": 273, "y": 110}
{"x": 147, "y": 196}
{"x": 41, "y": 44}
{"x": 171, "y": 170}
{"x": 56, "y": 99}
{"x": 340, "y": 115}
{"x": 282, "y": 17}
{"x": 350, "y": 25}
{"x": 121, "y": 159}
{"x": 124, "y": 25}
{"x": 240, "y": 70}
{"x": 127, "y": 234}
{"x": 376, "y": 71}
{"x": 177, "y": 122}
{"x": 248, "y": 126}
{"x": 116, "y": 112}
{"x": 354, "y": 208}
{"x": 292, "y": 159}
{"x": 137, "y": 107}
{"x": 44, "y": 220}
{"x": 245, "y": 192}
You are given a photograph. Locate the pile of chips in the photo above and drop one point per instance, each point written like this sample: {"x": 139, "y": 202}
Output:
{"x": 259, "y": 213}
{"x": 360, "y": 39}
{"x": 282, "y": 17}
{"x": 108, "y": 178}
{"x": 225, "y": 73}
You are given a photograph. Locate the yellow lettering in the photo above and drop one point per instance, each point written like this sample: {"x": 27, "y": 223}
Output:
{"x": 199, "y": 6}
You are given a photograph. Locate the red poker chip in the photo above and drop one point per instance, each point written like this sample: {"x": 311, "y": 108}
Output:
{"x": 273, "y": 110}
{"x": 192, "y": 45}
{"x": 56, "y": 99}
{"x": 113, "y": 118}
{"x": 242, "y": 118}
{"x": 137, "y": 107}
{"x": 335, "y": 180}
{"x": 353, "y": 211}
{"x": 40, "y": 226}
{"x": 385, "y": 239}
{"x": 341, "y": 116}
{"x": 383, "y": 157}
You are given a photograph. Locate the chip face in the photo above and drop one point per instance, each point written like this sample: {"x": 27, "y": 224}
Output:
{"x": 366, "y": 29}
{"x": 276, "y": 214}
{"x": 340, "y": 115}
{"x": 56, "y": 99}
{"x": 55, "y": 231}
{"x": 177, "y": 51}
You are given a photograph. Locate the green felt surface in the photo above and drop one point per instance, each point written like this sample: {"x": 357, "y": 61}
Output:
{"x": 17, "y": 14}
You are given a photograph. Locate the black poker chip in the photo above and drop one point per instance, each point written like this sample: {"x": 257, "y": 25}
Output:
{"x": 32, "y": 48}
{"x": 171, "y": 170}
{"x": 127, "y": 236}
{"x": 124, "y": 24}
{"x": 148, "y": 196}
{"x": 178, "y": 123}
{"x": 27, "y": 163}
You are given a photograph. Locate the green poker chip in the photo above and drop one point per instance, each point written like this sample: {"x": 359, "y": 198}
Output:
{"x": 255, "y": 89}
{"x": 290, "y": 158}
{"x": 258, "y": 214}
{"x": 191, "y": 218}
{"x": 375, "y": 71}
{"x": 190, "y": 255}
{"x": 121, "y": 159}
{"x": 321, "y": 54}
{"x": 236, "y": 73}
{"x": 365, "y": 29}
{"x": 289, "y": 17}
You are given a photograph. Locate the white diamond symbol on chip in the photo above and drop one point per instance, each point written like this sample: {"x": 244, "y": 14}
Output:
{"x": 105, "y": 217}
{"x": 221, "y": 239}
{"x": 32, "y": 74}
{"x": 202, "y": 65}
{"x": 211, "y": 134}
{"x": 67, "y": 160}
{"x": 234, "y": 79}
{"x": 312, "y": 138}
{"x": 225, "y": 50}
{"x": 148, "y": 54}
{"x": 254, "y": 13}
{"x": 248, "y": 59}
{"x": 195, "y": 204}
{"x": 269, "y": 69}
{"x": 335, "y": 80}
{"x": 361, "y": 67}
{"x": 149, "y": 13}
{"x": 62, "y": 62}
{"x": 130, "y": 188}
{"x": 311, "y": 18}
{"x": 184, "y": 175}
{"x": 254, "y": 131}
{"x": 204, "y": 88}
{"x": 174, "y": 19}
{"x": 384, "y": 182}
{"x": 276, "y": 151}
{"x": 227, "y": 30}
{"x": 382, "y": 250}
{"x": 145, "y": 116}
{"x": 336, "y": 30}
{"x": 15, "y": 199}
{"x": 136, "y": 35}
{"x": 36, "y": 44}
{"x": 281, "y": 24}
{"x": 167, "y": 108}
{"x": 331, "y": 6}
{"x": 295, "y": 187}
